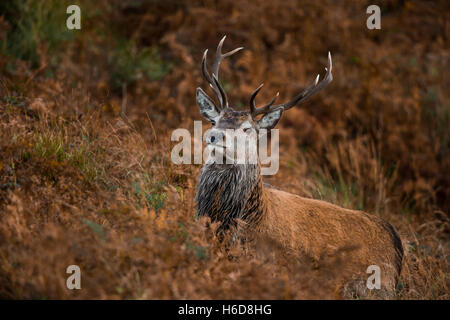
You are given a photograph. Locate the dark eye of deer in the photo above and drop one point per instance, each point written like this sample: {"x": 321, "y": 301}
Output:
{"x": 247, "y": 130}
{"x": 213, "y": 122}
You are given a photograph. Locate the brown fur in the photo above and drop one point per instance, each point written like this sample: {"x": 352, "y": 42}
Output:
{"x": 300, "y": 226}
{"x": 317, "y": 228}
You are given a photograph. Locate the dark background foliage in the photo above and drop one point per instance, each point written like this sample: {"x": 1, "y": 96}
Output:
{"x": 86, "y": 117}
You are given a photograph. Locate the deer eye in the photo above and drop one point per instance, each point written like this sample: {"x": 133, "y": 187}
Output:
{"x": 213, "y": 122}
{"x": 247, "y": 130}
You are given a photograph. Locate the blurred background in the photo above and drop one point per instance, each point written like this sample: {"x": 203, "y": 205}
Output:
{"x": 376, "y": 139}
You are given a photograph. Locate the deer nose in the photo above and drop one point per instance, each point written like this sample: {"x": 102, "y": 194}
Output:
{"x": 215, "y": 137}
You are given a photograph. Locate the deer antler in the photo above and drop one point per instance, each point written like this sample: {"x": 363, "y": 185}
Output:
{"x": 300, "y": 98}
{"x": 214, "y": 80}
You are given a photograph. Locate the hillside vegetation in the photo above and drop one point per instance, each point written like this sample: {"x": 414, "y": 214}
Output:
{"x": 86, "y": 117}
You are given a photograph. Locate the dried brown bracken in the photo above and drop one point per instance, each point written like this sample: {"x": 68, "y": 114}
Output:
{"x": 82, "y": 184}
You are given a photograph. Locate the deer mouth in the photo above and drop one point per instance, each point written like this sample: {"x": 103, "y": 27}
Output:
{"x": 219, "y": 154}
{"x": 216, "y": 149}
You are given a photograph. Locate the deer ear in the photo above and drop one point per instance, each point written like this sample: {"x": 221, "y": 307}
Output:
{"x": 207, "y": 107}
{"x": 270, "y": 120}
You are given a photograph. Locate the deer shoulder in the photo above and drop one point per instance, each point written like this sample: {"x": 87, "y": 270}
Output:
{"x": 320, "y": 228}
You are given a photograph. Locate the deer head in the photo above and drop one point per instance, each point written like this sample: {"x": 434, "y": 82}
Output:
{"x": 246, "y": 124}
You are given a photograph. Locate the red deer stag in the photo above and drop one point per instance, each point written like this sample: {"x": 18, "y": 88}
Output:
{"x": 228, "y": 193}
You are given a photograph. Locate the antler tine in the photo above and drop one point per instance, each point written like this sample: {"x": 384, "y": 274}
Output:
{"x": 220, "y": 56}
{"x": 252, "y": 98}
{"x": 204, "y": 68}
{"x": 213, "y": 80}
{"x": 222, "y": 92}
{"x": 209, "y": 79}
{"x": 255, "y": 111}
{"x": 302, "y": 96}
{"x": 313, "y": 88}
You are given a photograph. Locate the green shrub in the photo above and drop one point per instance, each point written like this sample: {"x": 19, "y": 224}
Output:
{"x": 33, "y": 24}
{"x": 128, "y": 64}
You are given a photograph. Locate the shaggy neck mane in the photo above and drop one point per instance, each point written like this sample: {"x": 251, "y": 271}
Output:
{"x": 230, "y": 192}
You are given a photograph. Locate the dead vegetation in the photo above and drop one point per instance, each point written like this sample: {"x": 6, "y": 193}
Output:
{"x": 85, "y": 122}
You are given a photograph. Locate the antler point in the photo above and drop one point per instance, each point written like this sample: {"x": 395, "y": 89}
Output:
{"x": 221, "y": 43}
{"x": 330, "y": 62}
